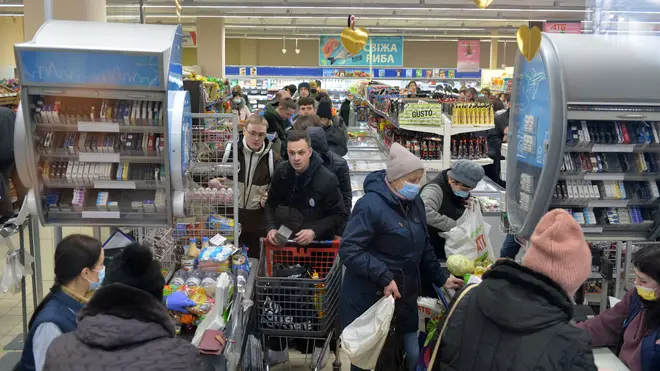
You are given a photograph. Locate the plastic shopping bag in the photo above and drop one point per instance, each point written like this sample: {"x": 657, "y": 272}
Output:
{"x": 364, "y": 338}
{"x": 470, "y": 236}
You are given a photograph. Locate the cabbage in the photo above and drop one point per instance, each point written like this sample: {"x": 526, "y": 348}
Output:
{"x": 459, "y": 265}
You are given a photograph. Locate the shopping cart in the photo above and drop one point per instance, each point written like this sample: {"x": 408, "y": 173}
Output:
{"x": 292, "y": 305}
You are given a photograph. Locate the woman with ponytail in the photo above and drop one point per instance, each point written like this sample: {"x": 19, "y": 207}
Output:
{"x": 78, "y": 270}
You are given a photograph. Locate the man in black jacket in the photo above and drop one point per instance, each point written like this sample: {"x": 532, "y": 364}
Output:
{"x": 278, "y": 121}
{"x": 304, "y": 195}
{"x": 519, "y": 317}
{"x": 336, "y": 164}
{"x": 496, "y": 137}
{"x": 335, "y": 128}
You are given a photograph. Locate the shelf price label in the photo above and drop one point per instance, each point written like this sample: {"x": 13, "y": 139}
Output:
{"x": 421, "y": 114}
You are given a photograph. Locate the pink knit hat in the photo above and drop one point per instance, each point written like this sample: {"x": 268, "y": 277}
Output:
{"x": 558, "y": 250}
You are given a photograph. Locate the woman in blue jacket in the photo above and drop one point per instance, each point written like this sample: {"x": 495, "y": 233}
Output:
{"x": 385, "y": 245}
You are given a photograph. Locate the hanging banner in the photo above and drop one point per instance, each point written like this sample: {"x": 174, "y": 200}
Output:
{"x": 562, "y": 27}
{"x": 189, "y": 39}
{"x": 469, "y": 55}
{"x": 383, "y": 51}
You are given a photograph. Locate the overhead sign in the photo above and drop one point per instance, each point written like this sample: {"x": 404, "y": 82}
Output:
{"x": 562, "y": 27}
{"x": 469, "y": 55}
{"x": 189, "y": 39}
{"x": 380, "y": 51}
{"x": 421, "y": 114}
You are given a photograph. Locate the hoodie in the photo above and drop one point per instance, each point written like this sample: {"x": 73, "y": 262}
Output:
{"x": 386, "y": 239}
{"x": 516, "y": 319}
{"x": 310, "y": 200}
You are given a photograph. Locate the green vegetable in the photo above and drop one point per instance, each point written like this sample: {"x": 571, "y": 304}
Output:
{"x": 459, "y": 265}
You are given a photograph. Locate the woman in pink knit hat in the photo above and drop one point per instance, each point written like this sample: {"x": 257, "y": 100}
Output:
{"x": 519, "y": 317}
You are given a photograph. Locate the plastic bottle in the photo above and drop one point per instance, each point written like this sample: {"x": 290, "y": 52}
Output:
{"x": 205, "y": 242}
{"x": 192, "y": 247}
{"x": 319, "y": 293}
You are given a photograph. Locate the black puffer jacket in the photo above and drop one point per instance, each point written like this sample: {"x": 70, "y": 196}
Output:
{"x": 335, "y": 163}
{"x": 337, "y": 135}
{"x": 306, "y": 201}
{"x": 516, "y": 319}
{"x": 122, "y": 328}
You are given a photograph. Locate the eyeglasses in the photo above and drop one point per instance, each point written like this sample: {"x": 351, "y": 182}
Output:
{"x": 256, "y": 135}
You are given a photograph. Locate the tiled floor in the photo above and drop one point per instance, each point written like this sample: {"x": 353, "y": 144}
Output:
{"x": 11, "y": 321}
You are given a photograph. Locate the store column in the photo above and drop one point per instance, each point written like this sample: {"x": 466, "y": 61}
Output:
{"x": 71, "y": 10}
{"x": 211, "y": 46}
{"x": 494, "y": 44}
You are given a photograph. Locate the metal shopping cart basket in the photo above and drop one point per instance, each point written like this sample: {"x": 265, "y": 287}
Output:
{"x": 289, "y": 302}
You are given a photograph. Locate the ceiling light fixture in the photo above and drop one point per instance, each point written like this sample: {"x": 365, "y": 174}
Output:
{"x": 297, "y": 50}
{"x": 370, "y": 16}
{"x": 283, "y": 45}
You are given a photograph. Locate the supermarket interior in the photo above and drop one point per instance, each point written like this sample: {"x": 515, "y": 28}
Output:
{"x": 133, "y": 120}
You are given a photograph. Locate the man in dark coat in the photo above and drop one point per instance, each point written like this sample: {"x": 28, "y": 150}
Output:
{"x": 278, "y": 120}
{"x": 335, "y": 128}
{"x": 336, "y": 164}
{"x": 496, "y": 137}
{"x": 519, "y": 317}
{"x": 304, "y": 195}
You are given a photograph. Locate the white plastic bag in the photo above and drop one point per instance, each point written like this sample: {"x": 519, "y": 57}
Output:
{"x": 364, "y": 338}
{"x": 470, "y": 236}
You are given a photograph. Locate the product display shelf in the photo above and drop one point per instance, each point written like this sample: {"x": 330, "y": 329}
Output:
{"x": 598, "y": 159}
{"x": 101, "y": 127}
{"x": 366, "y": 154}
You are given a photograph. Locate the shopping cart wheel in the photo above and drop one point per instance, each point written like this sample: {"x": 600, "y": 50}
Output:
{"x": 336, "y": 365}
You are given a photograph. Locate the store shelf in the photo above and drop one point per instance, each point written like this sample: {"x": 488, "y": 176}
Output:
{"x": 602, "y": 203}
{"x": 102, "y": 157}
{"x": 101, "y": 127}
{"x": 98, "y": 217}
{"x": 480, "y": 161}
{"x": 384, "y": 115}
{"x": 609, "y": 176}
{"x": 617, "y": 232}
{"x": 108, "y": 184}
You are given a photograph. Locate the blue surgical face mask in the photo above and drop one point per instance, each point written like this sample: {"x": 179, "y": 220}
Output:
{"x": 409, "y": 190}
{"x": 462, "y": 194}
{"x": 93, "y": 286}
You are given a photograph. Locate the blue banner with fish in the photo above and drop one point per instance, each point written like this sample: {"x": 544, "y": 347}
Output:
{"x": 381, "y": 51}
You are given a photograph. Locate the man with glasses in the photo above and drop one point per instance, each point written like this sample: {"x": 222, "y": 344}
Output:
{"x": 256, "y": 163}
{"x": 445, "y": 198}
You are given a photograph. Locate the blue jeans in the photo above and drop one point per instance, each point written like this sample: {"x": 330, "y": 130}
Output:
{"x": 510, "y": 248}
{"x": 410, "y": 346}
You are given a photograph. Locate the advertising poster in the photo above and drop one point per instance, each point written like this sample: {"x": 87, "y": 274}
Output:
{"x": 562, "y": 27}
{"x": 383, "y": 52}
{"x": 469, "y": 55}
{"x": 189, "y": 39}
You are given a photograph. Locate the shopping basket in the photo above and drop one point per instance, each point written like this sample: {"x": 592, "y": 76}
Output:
{"x": 288, "y": 301}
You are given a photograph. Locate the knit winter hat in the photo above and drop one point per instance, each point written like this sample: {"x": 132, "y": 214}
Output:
{"x": 559, "y": 251}
{"x": 401, "y": 162}
{"x": 313, "y": 85}
{"x": 324, "y": 110}
{"x": 466, "y": 172}
{"x": 304, "y": 85}
{"x": 135, "y": 266}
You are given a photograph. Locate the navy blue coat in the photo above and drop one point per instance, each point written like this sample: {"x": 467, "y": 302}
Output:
{"x": 386, "y": 239}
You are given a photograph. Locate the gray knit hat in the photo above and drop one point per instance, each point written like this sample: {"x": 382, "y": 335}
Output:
{"x": 466, "y": 172}
{"x": 401, "y": 162}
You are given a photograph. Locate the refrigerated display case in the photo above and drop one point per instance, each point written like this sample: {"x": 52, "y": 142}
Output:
{"x": 103, "y": 131}
{"x": 584, "y": 138}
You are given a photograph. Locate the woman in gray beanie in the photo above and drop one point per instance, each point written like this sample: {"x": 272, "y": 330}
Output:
{"x": 384, "y": 246}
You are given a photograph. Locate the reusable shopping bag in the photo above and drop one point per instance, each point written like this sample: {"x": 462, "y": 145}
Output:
{"x": 364, "y": 338}
{"x": 470, "y": 236}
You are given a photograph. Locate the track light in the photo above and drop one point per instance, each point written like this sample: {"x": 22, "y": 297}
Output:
{"x": 297, "y": 50}
{"x": 284, "y": 45}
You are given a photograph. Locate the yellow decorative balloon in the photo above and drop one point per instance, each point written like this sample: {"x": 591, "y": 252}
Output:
{"x": 529, "y": 41}
{"x": 354, "y": 40}
{"x": 483, "y": 4}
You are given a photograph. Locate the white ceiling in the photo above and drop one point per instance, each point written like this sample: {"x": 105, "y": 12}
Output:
{"x": 422, "y": 19}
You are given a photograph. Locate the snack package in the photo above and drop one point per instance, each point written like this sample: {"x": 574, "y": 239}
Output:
{"x": 198, "y": 295}
{"x": 216, "y": 253}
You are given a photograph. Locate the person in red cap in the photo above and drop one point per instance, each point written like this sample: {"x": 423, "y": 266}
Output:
{"x": 519, "y": 317}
